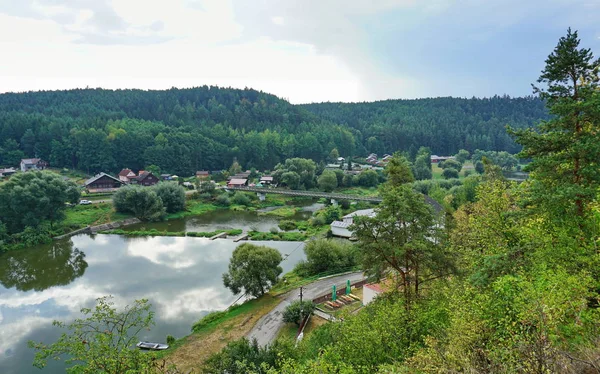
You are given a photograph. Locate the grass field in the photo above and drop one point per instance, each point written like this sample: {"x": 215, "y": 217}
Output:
{"x": 437, "y": 171}
{"x": 80, "y": 216}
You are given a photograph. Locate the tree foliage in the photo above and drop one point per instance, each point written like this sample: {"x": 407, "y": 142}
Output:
{"x": 29, "y": 199}
{"x": 328, "y": 181}
{"x": 324, "y": 255}
{"x": 140, "y": 201}
{"x": 297, "y": 311}
{"x": 565, "y": 149}
{"x": 101, "y": 341}
{"x": 252, "y": 269}
{"x": 172, "y": 196}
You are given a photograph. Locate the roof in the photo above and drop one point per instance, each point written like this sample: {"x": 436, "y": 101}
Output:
{"x": 363, "y": 212}
{"x": 340, "y": 224}
{"x": 30, "y": 161}
{"x": 98, "y": 176}
{"x": 145, "y": 174}
{"x": 381, "y": 286}
{"x": 202, "y": 172}
{"x": 238, "y": 181}
{"x": 125, "y": 172}
{"x": 165, "y": 175}
{"x": 266, "y": 178}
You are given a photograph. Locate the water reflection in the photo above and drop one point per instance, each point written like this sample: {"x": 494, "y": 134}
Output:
{"x": 43, "y": 267}
{"x": 181, "y": 277}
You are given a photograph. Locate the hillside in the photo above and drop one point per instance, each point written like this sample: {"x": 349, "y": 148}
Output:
{"x": 184, "y": 130}
{"x": 444, "y": 124}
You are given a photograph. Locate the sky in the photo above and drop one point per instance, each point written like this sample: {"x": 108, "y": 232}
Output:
{"x": 300, "y": 50}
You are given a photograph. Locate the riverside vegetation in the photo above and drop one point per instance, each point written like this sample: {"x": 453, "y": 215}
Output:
{"x": 505, "y": 279}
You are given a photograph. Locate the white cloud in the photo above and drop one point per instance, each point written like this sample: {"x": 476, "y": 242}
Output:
{"x": 278, "y": 20}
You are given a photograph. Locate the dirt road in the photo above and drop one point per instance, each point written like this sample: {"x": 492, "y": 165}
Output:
{"x": 266, "y": 329}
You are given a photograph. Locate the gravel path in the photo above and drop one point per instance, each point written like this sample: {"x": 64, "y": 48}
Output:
{"x": 266, "y": 329}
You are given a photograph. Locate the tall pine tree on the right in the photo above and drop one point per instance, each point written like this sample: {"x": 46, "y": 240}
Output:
{"x": 565, "y": 150}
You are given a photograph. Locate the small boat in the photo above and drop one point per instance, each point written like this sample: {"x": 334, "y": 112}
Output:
{"x": 152, "y": 346}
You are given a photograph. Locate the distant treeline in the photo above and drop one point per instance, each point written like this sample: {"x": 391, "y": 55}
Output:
{"x": 205, "y": 128}
{"x": 445, "y": 124}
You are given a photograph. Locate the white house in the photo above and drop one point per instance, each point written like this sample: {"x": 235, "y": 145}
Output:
{"x": 340, "y": 228}
{"x": 370, "y": 292}
{"x": 33, "y": 164}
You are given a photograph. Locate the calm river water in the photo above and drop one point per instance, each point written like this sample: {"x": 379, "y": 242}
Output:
{"x": 181, "y": 277}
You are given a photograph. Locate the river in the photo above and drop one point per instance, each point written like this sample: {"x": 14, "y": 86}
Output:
{"x": 181, "y": 276}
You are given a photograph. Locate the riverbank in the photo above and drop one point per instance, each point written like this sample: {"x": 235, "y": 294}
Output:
{"x": 256, "y": 318}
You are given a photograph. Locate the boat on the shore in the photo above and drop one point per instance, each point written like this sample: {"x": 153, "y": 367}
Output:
{"x": 152, "y": 346}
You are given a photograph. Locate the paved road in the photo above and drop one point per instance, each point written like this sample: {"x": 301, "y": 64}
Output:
{"x": 266, "y": 329}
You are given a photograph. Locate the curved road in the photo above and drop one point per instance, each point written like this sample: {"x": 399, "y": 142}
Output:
{"x": 266, "y": 329}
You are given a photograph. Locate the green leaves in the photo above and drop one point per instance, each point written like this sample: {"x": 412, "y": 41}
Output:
{"x": 252, "y": 269}
{"x": 140, "y": 201}
{"x": 102, "y": 341}
{"x": 297, "y": 311}
{"x": 29, "y": 199}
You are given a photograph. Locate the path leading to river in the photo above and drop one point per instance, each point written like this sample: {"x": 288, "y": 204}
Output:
{"x": 266, "y": 329}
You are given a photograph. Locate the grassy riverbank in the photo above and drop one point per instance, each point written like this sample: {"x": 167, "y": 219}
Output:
{"x": 212, "y": 332}
{"x": 216, "y": 331}
{"x": 154, "y": 232}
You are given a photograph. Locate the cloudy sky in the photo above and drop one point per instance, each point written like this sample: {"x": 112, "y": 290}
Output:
{"x": 301, "y": 50}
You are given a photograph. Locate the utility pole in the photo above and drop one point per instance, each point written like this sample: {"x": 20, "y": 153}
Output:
{"x": 301, "y": 294}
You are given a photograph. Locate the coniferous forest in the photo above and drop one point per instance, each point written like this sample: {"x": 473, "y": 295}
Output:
{"x": 205, "y": 128}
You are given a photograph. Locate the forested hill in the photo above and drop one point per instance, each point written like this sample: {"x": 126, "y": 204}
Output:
{"x": 179, "y": 130}
{"x": 184, "y": 130}
{"x": 444, "y": 124}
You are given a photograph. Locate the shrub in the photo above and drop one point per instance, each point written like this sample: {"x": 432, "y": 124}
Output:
{"x": 241, "y": 198}
{"x": 287, "y": 225}
{"x": 297, "y": 311}
{"x": 324, "y": 255}
{"x": 222, "y": 200}
{"x": 274, "y": 230}
{"x": 170, "y": 339}
{"x": 450, "y": 173}
{"x": 172, "y": 196}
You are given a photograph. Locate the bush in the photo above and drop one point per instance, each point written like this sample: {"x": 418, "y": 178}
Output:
{"x": 297, "y": 311}
{"x": 222, "y": 200}
{"x": 172, "y": 196}
{"x": 142, "y": 202}
{"x": 241, "y": 198}
{"x": 274, "y": 230}
{"x": 325, "y": 255}
{"x": 287, "y": 225}
{"x": 170, "y": 339}
{"x": 450, "y": 173}
{"x": 345, "y": 204}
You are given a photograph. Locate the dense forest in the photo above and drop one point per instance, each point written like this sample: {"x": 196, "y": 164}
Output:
{"x": 184, "y": 130}
{"x": 443, "y": 124}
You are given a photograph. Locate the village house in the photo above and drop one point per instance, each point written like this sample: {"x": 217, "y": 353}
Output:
{"x": 237, "y": 183}
{"x": 437, "y": 159}
{"x": 266, "y": 180}
{"x": 102, "y": 183}
{"x": 145, "y": 178}
{"x": 33, "y": 164}
{"x": 125, "y": 175}
{"x": 372, "y": 290}
{"x": 341, "y": 228}
{"x": 202, "y": 174}
{"x": 166, "y": 177}
{"x": 7, "y": 172}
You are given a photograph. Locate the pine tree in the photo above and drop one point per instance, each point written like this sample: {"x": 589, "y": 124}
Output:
{"x": 565, "y": 150}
